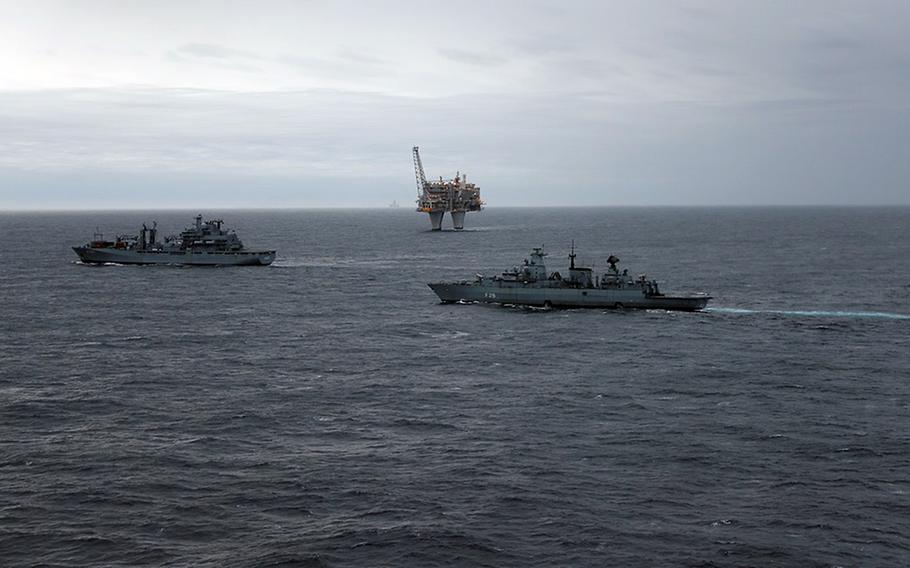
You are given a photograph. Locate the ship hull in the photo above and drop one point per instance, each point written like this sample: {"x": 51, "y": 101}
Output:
{"x": 565, "y": 297}
{"x": 120, "y": 256}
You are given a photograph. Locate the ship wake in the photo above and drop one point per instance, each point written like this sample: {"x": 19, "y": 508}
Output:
{"x": 811, "y": 313}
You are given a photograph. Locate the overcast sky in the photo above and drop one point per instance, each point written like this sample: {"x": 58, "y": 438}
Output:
{"x": 136, "y": 104}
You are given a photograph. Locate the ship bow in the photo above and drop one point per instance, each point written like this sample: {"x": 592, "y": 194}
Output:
{"x": 444, "y": 291}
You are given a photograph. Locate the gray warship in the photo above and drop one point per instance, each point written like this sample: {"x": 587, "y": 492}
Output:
{"x": 532, "y": 285}
{"x": 203, "y": 244}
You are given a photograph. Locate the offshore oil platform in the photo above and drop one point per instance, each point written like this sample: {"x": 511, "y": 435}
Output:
{"x": 456, "y": 196}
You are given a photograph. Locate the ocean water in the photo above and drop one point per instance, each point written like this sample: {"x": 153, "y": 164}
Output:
{"x": 328, "y": 411}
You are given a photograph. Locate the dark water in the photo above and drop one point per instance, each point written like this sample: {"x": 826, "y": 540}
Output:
{"x": 327, "y": 411}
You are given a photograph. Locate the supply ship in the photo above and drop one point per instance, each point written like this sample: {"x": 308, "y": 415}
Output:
{"x": 532, "y": 285}
{"x": 203, "y": 244}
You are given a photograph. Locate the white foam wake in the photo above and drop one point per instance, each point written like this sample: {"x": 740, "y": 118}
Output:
{"x": 811, "y": 313}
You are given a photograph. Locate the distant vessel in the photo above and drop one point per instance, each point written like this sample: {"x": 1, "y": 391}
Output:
{"x": 532, "y": 285}
{"x": 456, "y": 196}
{"x": 204, "y": 243}
{"x": 394, "y": 204}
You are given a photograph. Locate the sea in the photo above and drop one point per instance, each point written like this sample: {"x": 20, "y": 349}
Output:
{"x": 329, "y": 411}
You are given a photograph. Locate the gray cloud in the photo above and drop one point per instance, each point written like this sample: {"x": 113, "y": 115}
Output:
{"x": 215, "y": 51}
{"x": 530, "y": 150}
{"x": 346, "y": 63}
{"x": 833, "y": 42}
{"x": 217, "y": 56}
{"x": 360, "y": 57}
{"x": 471, "y": 57}
{"x": 597, "y": 103}
{"x": 336, "y": 68}
{"x": 538, "y": 45}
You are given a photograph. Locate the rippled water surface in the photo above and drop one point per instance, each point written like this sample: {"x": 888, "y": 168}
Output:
{"x": 328, "y": 411}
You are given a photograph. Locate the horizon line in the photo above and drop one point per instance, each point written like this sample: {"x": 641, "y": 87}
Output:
{"x": 386, "y": 207}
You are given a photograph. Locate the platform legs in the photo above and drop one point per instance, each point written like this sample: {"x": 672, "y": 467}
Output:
{"x": 458, "y": 220}
{"x": 436, "y": 219}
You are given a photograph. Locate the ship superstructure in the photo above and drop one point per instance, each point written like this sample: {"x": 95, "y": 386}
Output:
{"x": 436, "y": 197}
{"x": 204, "y": 243}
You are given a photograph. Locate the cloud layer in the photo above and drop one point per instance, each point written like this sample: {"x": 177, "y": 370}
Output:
{"x": 541, "y": 103}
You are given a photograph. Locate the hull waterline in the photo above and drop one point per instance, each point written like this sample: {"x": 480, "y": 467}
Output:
{"x": 565, "y": 297}
{"x": 108, "y": 255}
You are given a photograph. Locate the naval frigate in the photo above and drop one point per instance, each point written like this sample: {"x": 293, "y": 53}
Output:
{"x": 532, "y": 285}
{"x": 202, "y": 244}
